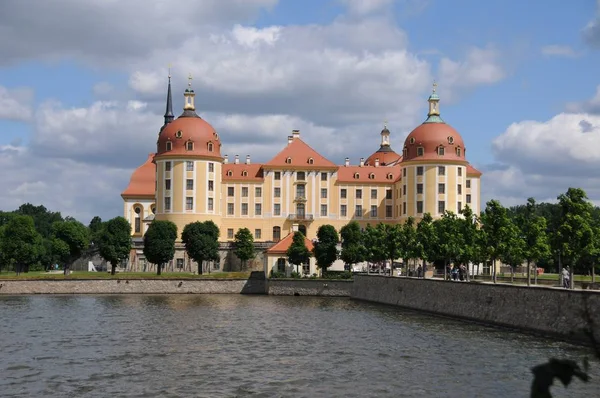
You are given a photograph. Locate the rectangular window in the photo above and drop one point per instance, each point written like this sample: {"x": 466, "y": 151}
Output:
{"x": 179, "y": 263}
{"x": 441, "y": 170}
{"x": 211, "y": 167}
{"x": 300, "y": 191}
{"x": 277, "y": 175}
{"x": 230, "y": 191}
{"x": 468, "y": 198}
{"x": 420, "y": 151}
{"x": 459, "y": 207}
{"x": 189, "y": 184}
{"x": 441, "y": 188}
{"x": 358, "y": 211}
{"x": 244, "y": 209}
{"x": 229, "y": 233}
{"x": 167, "y": 203}
{"x": 419, "y": 189}
{"x": 230, "y": 209}
{"x": 388, "y": 194}
{"x": 258, "y": 209}
{"x": 343, "y": 193}
{"x": 419, "y": 206}
{"x": 373, "y": 194}
{"x": 404, "y": 208}
{"x": 138, "y": 225}
{"x": 323, "y": 210}
{"x": 257, "y": 192}
{"x": 459, "y": 189}
{"x": 404, "y": 189}
{"x": 441, "y": 151}
{"x": 373, "y": 211}
{"x": 323, "y": 176}
{"x": 277, "y": 192}
{"x": 189, "y": 165}
{"x": 419, "y": 170}
{"x": 468, "y": 183}
{"x": 441, "y": 206}
{"x": 211, "y": 204}
{"x": 189, "y": 203}
{"x": 300, "y": 176}
{"x": 323, "y": 193}
{"x": 343, "y": 210}
{"x": 359, "y": 194}
{"x": 257, "y": 234}
{"x": 404, "y": 172}
{"x": 211, "y": 185}
{"x": 388, "y": 211}
{"x": 167, "y": 166}
{"x": 460, "y": 171}
{"x": 244, "y": 192}
{"x": 168, "y": 184}
{"x": 277, "y": 209}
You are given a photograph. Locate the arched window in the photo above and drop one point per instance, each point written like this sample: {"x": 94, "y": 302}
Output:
{"x": 210, "y": 147}
{"x": 229, "y": 173}
{"x": 244, "y": 173}
{"x": 138, "y": 219}
{"x": 189, "y": 146}
{"x": 371, "y": 176}
{"x": 168, "y": 146}
{"x": 276, "y": 234}
{"x": 390, "y": 176}
{"x": 356, "y": 176}
{"x": 458, "y": 151}
{"x": 441, "y": 150}
{"x": 288, "y": 160}
{"x": 311, "y": 161}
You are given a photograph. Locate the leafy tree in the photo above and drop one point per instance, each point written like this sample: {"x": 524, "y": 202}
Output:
{"x": 353, "y": 250}
{"x": 325, "y": 249}
{"x": 244, "y": 246}
{"x": 469, "y": 230}
{"x": 496, "y": 224}
{"x": 408, "y": 241}
{"x": 575, "y": 234}
{"x": 22, "y": 243}
{"x": 95, "y": 227}
{"x": 159, "y": 243}
{"x": 298, "y": 253}
{"x": 449, "y": 241}
{"x": 375, "y": 252}
{"x": 201, "y": 240}
{"x": 392, "y": 241}
{"x": 114, "y": 241}
{"x": 513, "y": 253}
{"x": 426, "y": 240}
{"x": 43, "y": 219}
{"x": 533, "y": 229}
{"x": 69, "y": 240}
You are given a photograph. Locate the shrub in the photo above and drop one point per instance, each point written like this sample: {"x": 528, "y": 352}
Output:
{"x": 296, "y": 275}
{"x": 276, "y": 275}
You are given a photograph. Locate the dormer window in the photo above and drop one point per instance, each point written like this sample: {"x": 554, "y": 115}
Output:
{"x": 311, "y": 160}
{"x": 390, "y": 176}
{"x": 229, "y": 173}
{"x": 356, "y": 176}
{"x": 405, "y": 152}
{"x": 168, "y": 146}
{"x": 440, "y": 151}
{"x": 189, "y": 146}
{"x": 420, "y": 151}
{"x": 412, "y": 140}
{"x": 179, "y": 134}
{"x": 371, "y": 176}
{"x": 458, "y": 151}
{"x": 450, "y": 140}
{"x": 210, "y": 147}
{"x": 288, "y": 160}
{"x": 244, "y": 173}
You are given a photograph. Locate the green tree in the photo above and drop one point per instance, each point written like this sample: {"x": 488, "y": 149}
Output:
{"x": 496, "y": 224}
{"x": 392, "y": 243}
{"x": 575, "y": 234}
{"x": 533, "y": 229}
{"x": 95, "y": 227}
{"x": 426, "y": 240}
{"x": 69, "y": 240}
{"x": 408, "y": 246}
{"x": 375, "y": 252}
{"x": 325, "y": 249}
{"x": 159, "y": 243}
{"x": 43, "y": 219}
{"x": 513, "y": 253}
{"x": 298, "y": 253}
{"x": 114, "y": 241}
{"x": 353, "y": 250}
{"x": 469, "y": 230}
{"x": 244, "y": 246}
{"x": 201, "y": 240}
{"x": 22, "y": 244}
{"x": 449, "y": 242}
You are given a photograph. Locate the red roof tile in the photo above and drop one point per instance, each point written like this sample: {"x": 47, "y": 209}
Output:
{"x": 472, "y": 171}
{"x": 242, "y": 172}
{"x": 284, "y": 244}
{"x": 300, "y": 155}
{"x": 143, "y": 180}
{"x": 369, "y": 174}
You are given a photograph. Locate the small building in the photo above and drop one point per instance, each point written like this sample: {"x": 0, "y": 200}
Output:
{"x": 276, "y": 258}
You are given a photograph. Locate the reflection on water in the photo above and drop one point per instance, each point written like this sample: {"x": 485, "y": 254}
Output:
{"x": 233, "y": 345}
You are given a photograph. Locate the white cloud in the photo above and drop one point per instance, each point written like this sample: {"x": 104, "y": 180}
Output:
{"x": 364, "y": 7}
{"x": 15, "y": 104}
{"x": 556, "y": 50}
{"x": 591, "y": 32}
{"x": 590, "y": 106}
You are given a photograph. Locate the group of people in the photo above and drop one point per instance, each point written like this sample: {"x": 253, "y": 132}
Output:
{"x": 458, "y": 272}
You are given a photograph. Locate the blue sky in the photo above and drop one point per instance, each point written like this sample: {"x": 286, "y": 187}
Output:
{"x": 82, "y": 92}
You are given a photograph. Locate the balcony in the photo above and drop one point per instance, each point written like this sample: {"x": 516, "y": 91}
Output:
{"x": 300, "y": 198}
{"x": 300, "y": 217}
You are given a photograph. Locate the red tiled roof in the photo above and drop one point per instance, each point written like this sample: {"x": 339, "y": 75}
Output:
{"x": 300, "y": 154}
{"x": 242, "y": 172}
{"x": 385, "y": 158}
{"x": 143, "y": 180}
{"x": 369, "y": 174}
{"x": 284, "y": 244}
{"x": 472, "y": 171}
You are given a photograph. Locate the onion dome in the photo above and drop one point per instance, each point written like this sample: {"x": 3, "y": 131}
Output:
{"x": 434, "y": 139}
{"x": 385, "y": 153}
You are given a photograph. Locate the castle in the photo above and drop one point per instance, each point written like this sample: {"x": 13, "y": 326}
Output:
{"x": 188, "y": 179}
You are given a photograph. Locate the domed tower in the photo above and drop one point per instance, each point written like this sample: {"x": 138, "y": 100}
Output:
{"x": 385, "y": 155}
{"x": 188, "y": 167}
{"x": 436, "y": 175}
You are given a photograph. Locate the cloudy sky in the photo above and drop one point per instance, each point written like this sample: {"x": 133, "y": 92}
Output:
{"x": 82, "y": 86}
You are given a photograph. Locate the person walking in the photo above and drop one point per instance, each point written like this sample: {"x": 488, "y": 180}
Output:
{"x": 566, "y": 277}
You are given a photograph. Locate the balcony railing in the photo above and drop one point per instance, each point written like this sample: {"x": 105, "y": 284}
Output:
{"x": 300, "y": 217}
{"x": 300, "y": 198}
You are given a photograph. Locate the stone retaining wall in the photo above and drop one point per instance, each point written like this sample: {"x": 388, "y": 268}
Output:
{"x": 310, "y": 287}
{"x": 549, "y": 311}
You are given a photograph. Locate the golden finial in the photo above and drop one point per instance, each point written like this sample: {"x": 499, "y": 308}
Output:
{"x": 170, "y": 70}
{"x": 434, "y": 86}
{"x": 190, "y": 80}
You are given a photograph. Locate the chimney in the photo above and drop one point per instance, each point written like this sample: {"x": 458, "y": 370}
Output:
{"x": 237, "y": 159}
{"x": 247, "y": 159}
{"x": 362, "y": 162}
{"x": 376, "y": 162}
{"x": 296, "y": 134}
{"x": 225, "y": 159}
{"x": 347, "y": 162}
{"x": 290, "y": 139}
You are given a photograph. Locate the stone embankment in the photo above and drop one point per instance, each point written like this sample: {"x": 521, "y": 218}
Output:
{"x": 549, "y": 311}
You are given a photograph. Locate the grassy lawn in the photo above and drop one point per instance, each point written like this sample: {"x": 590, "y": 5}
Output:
{"x": 41, "y": 275}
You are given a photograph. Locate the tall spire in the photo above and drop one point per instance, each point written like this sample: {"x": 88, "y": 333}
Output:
{"x": 433, "y": 116}
{"x": 169, "y": 116}
{"x": 189, "y": 96}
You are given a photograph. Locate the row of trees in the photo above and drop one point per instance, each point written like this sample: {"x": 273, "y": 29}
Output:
{"x": 568, "y": 231}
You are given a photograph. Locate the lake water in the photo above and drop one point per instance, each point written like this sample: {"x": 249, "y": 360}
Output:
{"x": 260, "y": 346}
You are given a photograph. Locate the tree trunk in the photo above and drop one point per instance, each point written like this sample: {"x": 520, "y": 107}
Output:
{"x": 535, "y": 273}
{"x": 445, "y": 270}
{"x": 494, "y": 270}
{"x": 594, "y": 273}
{"x": 158, "y": 269}
{"x": 572, "y": 278}
{"x": 113, "y": 269}
{"x": 200, "y": 267}
{"x": 512, "y": 274}
{"x": 528, "y": 273}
